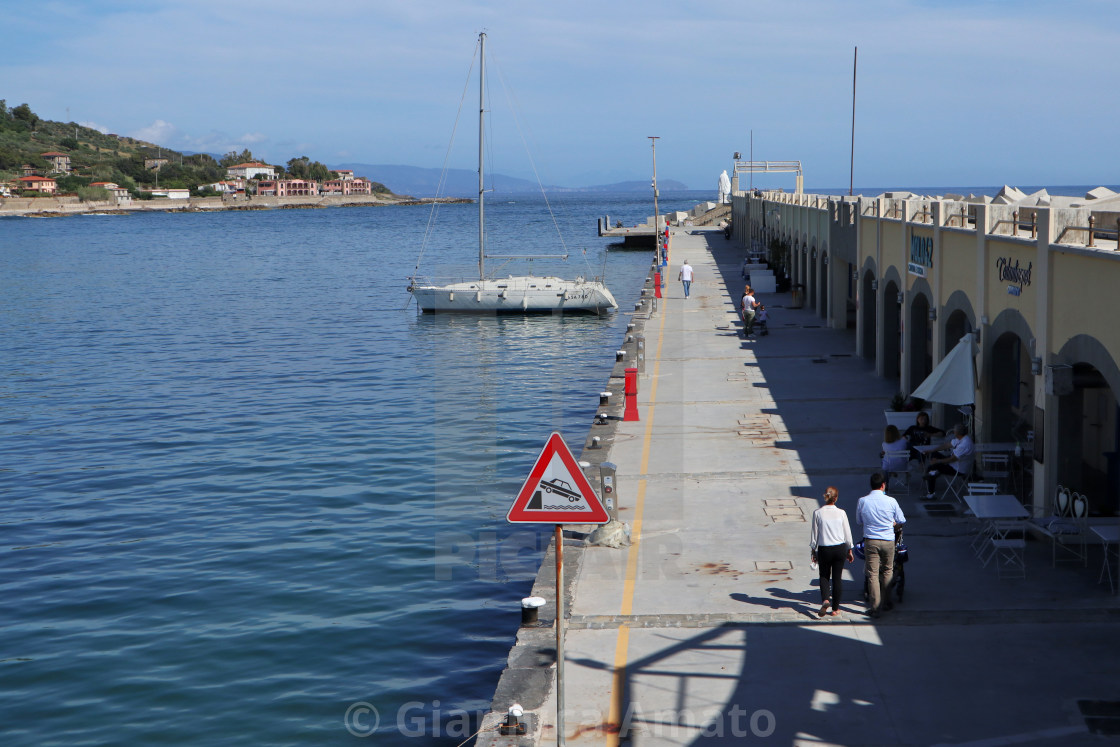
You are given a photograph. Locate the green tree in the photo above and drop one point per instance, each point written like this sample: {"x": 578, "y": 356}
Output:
{"x": 233, "y": 158}
{"x": 24, "y": 114}
{"x": 70, "y": 143}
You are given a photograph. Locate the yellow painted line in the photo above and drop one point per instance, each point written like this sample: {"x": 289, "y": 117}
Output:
{"x": 621, "y": 649}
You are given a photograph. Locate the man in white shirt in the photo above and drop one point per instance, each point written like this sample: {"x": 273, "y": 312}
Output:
{"x": 879, "y": 515}
{"x": 685, "y": 276}
{"x": 959, "y": 461}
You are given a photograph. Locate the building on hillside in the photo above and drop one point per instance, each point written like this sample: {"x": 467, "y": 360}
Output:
{"x": 60, "y": 162}
{"x": 251, "y": 170}
{"x": 42, "y": 184}
{"x": 155, "y": 164}
{"x": 288, "y": 188}
{"x": 344, "y": 174}
{"x": 121, "y": 195}
{"x": 227, "y": 187}
{"x": 28, "y": 169}
{"x": 171, "y": 193}
{"x": 1019, "y": 286}
{"x": 359, "y": 186}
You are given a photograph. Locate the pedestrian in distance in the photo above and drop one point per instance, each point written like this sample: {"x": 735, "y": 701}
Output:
{"x": 685, "y": 276}
{"x": 879, "y": 515}
{"x": 760, "y": 319}
{"x": 830, "y": 542}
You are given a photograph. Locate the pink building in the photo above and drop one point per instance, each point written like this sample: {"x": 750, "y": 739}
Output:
{"x": 288, "y": 188}
{"x": 38, "y": 184}
{"x": 351, "y": 186}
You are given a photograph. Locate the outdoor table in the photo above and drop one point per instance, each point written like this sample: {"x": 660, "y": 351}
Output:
{"x": 1110, "y": 535}
{"x": 1001, "y": 514}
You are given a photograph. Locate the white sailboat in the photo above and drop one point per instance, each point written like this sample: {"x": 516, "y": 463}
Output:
{"x": 512, "y": 294}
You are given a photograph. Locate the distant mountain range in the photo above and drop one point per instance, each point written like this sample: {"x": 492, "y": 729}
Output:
{"x": 420, "y": 182}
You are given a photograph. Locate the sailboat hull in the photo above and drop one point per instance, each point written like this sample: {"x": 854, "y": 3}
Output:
{"x": 515, "y": 295}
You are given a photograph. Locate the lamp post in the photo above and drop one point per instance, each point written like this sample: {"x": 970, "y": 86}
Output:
{"x": 656, "y": 213}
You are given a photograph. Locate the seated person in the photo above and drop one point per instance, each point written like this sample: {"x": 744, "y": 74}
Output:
{"x": 895, "y": 452}
{"x": 921, "y": 434}
{"x": 958, "y": 461}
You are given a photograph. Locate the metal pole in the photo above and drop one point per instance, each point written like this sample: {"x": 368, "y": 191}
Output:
{"x": 752, "y": 161}
{"x": 656, "y": 212}
{"x": 852, "y": 166}
{"x": 559, "y": 635}
{"x": 481, "y": 125}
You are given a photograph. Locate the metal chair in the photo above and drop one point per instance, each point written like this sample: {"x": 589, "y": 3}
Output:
{"x": 994, "y": 467}
{"x": 897, "y": 467}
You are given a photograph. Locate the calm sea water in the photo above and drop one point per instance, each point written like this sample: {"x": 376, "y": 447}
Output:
{"x": 244, "y": 486}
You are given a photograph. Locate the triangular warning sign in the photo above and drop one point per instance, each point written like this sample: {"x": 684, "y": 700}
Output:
{"x": 557, "y": 492}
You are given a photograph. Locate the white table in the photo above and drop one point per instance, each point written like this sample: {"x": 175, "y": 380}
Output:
{"x": 1110, "y": 535}
{"x": 1003, "y": 513}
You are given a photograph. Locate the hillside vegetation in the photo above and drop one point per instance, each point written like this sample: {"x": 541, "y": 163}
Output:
{"x": 98, "y": 157}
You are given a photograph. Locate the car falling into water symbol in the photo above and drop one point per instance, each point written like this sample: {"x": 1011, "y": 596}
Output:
{"x": 560, "y": 487}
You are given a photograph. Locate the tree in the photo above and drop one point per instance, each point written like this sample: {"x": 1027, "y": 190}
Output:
{"x": 304, "y": 168}
{"x": 233, "y": 158}
{"x": 23, "y": 113}
{"x": 69, "y": 143}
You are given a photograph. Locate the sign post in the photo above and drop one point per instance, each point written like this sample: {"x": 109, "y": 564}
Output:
{"x": 557, "y": 492}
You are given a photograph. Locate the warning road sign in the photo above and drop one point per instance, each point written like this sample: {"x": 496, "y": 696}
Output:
{"x": 557, "y": 492}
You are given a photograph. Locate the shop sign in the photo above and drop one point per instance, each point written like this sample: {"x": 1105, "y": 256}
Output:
{"x": 921, "y": 256}
{"x": 1014, "y": 274}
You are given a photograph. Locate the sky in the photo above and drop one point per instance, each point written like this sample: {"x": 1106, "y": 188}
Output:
{"x": 952, "y": 93}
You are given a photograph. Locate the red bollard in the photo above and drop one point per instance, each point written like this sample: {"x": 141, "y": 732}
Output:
{"x": 657, "y": 284}
{"x": 631, "y": 412}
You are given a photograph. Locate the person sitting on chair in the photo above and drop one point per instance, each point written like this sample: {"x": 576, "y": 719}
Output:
{"x": 958, "y": 461}
{"x": 921, "y": 434}
{"x": 894, "y": 449}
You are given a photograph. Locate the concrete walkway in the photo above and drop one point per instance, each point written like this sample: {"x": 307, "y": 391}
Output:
{"x": 705, "y": 630}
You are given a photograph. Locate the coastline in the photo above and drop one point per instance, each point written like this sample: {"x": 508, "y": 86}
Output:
{"x": 58, "y": 207}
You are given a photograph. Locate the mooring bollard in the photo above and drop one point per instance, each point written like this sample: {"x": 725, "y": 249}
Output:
{"x": 513, "y": 725}
{"x": 631, "y": 412}
{"x": 530, "y": 607}
{"x": 604, "y": 398}
{"x": 619, "y": 355}
{"x": 595, "y": 442}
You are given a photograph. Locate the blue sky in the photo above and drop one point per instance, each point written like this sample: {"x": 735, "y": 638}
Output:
{"x": 950, "y": 93}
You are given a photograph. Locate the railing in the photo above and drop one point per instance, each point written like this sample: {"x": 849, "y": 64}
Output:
{"x": 1093, "y": 232}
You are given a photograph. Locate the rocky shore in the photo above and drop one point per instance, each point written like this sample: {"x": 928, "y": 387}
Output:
{"x": 55, "y": 207}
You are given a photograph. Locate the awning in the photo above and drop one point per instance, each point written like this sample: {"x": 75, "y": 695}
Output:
{"x": 953, "y": 382}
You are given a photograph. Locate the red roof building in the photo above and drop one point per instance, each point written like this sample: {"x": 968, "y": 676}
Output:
{"x": 38, "y": 184}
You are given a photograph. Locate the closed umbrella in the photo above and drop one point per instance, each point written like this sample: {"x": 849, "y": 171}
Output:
{"x": 953, "y": 382}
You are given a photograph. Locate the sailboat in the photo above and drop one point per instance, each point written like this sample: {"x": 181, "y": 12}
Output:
{"x": 513, "y": 294}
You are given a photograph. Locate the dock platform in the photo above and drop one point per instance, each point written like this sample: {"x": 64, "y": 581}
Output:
{"x": 705, "y": 628}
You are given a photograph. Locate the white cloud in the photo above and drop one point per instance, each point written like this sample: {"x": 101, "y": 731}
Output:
{"x": 158, "y": 132}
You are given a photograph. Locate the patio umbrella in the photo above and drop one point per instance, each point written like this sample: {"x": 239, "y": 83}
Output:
{"x": 953, "y": 382}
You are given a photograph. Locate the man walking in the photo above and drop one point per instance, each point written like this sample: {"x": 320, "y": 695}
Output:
{"x": 879, "y": 515}
{"x": 685, "y": 276}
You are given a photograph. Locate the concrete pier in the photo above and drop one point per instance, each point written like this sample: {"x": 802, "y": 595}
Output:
{"x": 705, "y": 628}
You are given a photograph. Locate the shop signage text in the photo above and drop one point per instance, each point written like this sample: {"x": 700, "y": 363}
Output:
{"x": 1014, "y": 274}
{"x": 921, "y": 255}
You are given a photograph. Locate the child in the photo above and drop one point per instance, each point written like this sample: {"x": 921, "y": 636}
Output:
{"x": 763, "y": 330}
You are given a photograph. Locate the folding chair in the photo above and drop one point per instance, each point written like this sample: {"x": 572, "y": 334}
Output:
{"x": 994, "y": 467}
{"x": 897, "y": 467}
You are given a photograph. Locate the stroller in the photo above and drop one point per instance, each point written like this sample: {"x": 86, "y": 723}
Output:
{"x": 897, "y": 586}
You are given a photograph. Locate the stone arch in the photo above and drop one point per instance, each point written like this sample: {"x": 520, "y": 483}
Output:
{"x": 1087, "y": 437}
{"x": 867, "y": 308}
{"x": 960, "y": 319}
{"x": 891, "y": 323}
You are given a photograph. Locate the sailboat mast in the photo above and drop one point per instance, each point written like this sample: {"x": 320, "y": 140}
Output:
{"x": 481, "y": 125}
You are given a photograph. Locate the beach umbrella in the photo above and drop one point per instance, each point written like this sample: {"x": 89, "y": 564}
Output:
{"x": 953, "y": 382}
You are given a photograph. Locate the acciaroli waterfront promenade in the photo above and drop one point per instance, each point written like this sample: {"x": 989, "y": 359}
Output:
{"x": 704, "y": 629}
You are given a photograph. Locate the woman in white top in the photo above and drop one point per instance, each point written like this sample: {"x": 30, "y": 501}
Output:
{"x": 829, "y": 543}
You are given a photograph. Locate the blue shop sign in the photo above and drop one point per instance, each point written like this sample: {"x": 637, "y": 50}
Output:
{"x": 921, "y": 255}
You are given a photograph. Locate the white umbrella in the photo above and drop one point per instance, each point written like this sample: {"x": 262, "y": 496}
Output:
{"x": 953, "y": 382}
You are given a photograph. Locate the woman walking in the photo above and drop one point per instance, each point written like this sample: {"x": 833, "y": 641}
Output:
{"x": 830, "y": 543}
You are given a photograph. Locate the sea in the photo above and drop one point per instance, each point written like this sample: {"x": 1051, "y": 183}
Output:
{"x": 248, "y": 495}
